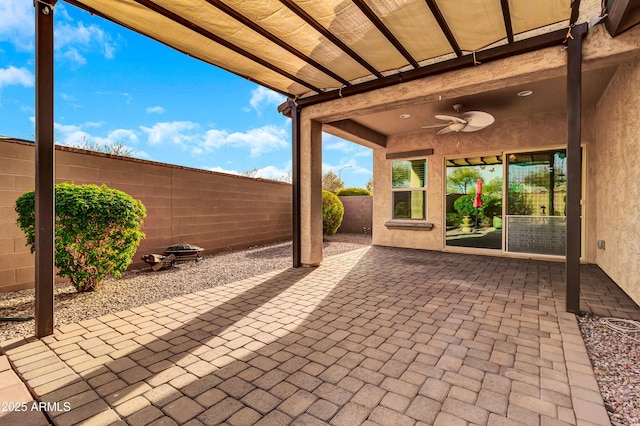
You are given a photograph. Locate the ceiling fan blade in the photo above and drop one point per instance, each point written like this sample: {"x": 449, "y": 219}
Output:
{"x": 451, "y": 118}
{"x": 444, "y": 131}
{"x": 471, "y": 128}
{"x": 478, "y": 118}
{"x": 435, "y": 125}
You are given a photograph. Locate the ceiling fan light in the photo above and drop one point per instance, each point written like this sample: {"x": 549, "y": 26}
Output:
{"x": 456, "y": 127}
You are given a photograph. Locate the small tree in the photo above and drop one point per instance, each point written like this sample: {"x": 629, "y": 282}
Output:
{"x": 115, "y": 148}
{"x": 250, "y": 173}
{"x": 331, "y": 182}
{"x": 463, "y": 179}
{"x": 369, "y": 186}
{"x": 332, "y": 212}
{"x": 97, "y": 231}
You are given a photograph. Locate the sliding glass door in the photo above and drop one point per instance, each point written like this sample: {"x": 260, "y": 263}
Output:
{"x": 513, "y": 202}
{"x": 536, "y": 195}
{"x": 474, "y": 202}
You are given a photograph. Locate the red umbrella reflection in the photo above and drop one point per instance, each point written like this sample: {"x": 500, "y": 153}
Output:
{"x": 477, "y": 202}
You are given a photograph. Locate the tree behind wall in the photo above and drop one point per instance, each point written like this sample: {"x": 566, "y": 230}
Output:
{"x": 331, "y": 182}
{"x": 463, "y": 179}
{"x": 369, "y": 186}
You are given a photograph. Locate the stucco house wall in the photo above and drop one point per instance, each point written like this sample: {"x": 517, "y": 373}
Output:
{"x": 618, "y": 179}
{"x": 213, "y": 210}
{"x": 542, "y": 131}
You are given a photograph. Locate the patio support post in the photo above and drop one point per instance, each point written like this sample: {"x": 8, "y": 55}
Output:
{"x": 310, "y": 191}
{"x": 45, "y": 169}
{"x": 574, "y": 168}
{"x": 295, "y": 177}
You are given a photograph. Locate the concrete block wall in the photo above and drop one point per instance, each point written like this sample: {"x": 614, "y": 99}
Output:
{"x": 358, "y": 214}
{"x": 212, "y": 210}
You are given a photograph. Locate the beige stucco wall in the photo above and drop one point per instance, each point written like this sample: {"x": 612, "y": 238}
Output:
{"x": 599, "y": 51}
{"x": 618, "y": 179}
{"x": 212, "y": 210}
{"x": 515, "y": 134}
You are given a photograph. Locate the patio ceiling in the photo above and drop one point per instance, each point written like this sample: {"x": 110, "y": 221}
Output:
{"x": 548, "y": 96}
{"x": 303, "y": 48}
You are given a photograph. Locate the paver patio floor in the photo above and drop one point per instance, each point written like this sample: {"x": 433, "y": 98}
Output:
{"x": 375, "y": 336}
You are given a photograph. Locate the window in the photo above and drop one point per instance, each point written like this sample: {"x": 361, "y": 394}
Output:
{"x": 408, "y": 186}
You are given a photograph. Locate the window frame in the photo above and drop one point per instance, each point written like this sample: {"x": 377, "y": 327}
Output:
{"x": 411, "y": 189}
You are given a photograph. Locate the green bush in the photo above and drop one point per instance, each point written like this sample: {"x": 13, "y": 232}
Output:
{"x": 332, "y": 212}
{"x": 491, "y": 206}
{"x": 454, "y": 220}
{"x": 97, "y": 230}
{"x": 345, "y": 192}
{"x": 464, "y": 205}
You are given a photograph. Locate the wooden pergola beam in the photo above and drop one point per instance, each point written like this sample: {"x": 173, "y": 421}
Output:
{"x": 330, "y": 36}
{"x": 295, "y": 184}
{"x": 377, "y": 22}
{"x": 574, "y": 168}
{"x": 45, "y": 170}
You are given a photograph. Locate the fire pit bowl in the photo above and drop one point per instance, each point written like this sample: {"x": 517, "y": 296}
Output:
{"x": 184, "y": 252}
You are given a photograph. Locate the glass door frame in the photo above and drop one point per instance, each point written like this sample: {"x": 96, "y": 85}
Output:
{"x": 505, "y": 165}
{"x": 469, "y": 250}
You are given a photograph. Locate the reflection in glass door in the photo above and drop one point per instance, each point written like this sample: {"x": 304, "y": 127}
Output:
{"x": 536, "y": 196}
{"x": 474, "y": 202}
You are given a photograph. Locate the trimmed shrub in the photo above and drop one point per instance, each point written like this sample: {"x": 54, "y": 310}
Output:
{"x": 332, "y": 212}
{"x": 97, "y": 231}
{"x": 345, "y": 192}
{"x": 454, "y": 220}
{"x": 491, "y": 206}
{"x": 464, "y": 205}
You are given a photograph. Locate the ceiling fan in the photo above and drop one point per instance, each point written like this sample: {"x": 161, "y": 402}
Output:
{"x": 470, "y": 121}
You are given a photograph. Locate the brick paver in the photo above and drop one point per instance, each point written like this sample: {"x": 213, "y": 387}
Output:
{"x": 375, "y": 336}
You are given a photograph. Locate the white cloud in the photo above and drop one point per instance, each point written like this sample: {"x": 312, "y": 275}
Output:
{"x": 350, "y": 166}
{"x": 364, "y": 152}
{"x": 267, "y": 172}
{"x": 128, "y": 97}
{"x": 13, "y": 76}
{"x": 221, "y": 170}
{"x": 94, "y": 124}
{"x": 176, "y": 132}
{"x": 74, "y": 56}
{"x": 272, "y": 172}
{"x": 335, "y": 143}
{"x": 122, "y": 136}
{"x": 77, "y": 136}
{"x": 261, "y": 97}
{"x": 67, "y": 97}
{"x": 70, "y": 135}
{"x": 259, "y": 141}
{"x": 142, "y": 154}
{"x": 74, "y": 39}
{"x": 155, "y": 109}
{"x": 17, "y": 23}
{"x": 340, "y": 145}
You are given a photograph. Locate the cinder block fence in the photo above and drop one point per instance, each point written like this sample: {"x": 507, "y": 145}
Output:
{"x": 213, "y": 210}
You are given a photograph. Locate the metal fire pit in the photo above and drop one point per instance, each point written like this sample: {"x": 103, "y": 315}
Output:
{"x": 184, "y": 252}
{"x": 174, "y": 253}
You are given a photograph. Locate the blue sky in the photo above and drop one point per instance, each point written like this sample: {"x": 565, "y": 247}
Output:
{"x": 113, "y": 85}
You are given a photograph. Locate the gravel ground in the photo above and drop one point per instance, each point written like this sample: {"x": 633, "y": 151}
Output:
{"x": 615, "y": 358}
{"x": 616, "y": 362}
{"x": 142, "y": 287}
